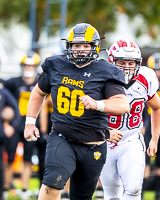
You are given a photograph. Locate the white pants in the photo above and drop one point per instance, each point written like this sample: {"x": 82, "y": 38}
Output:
{"x": 123, "y": 172}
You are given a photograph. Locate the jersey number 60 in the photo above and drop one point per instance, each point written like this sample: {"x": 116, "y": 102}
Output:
{"x": 64, "y": 104}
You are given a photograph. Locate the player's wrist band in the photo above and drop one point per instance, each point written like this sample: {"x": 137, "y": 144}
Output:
{"x": 30, "y": 120}
{"x": 100, "y": 105}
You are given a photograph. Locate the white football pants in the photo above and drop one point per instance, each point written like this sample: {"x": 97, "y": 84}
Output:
{"x": 123, "y": 172}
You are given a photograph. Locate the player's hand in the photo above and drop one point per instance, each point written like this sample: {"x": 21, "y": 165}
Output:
{"x": 8, "y": 130}
{"x": 31, "y": 133}
{"x": 88, "y": 102}
{"x": 152, "y": 149}
{"x": 115, "y": 136}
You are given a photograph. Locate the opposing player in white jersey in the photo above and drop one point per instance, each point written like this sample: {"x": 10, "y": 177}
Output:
{"x": 122, "y": 174}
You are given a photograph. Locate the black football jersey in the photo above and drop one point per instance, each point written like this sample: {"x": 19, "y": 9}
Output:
{"x": 7, "y": 99}
{"x": 21, "y": 91}
{"x": 68, "y": 83}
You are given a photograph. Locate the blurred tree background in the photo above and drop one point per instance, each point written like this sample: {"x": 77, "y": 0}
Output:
{"x": 102, "y": 14}
{"x": 143, "y": 23}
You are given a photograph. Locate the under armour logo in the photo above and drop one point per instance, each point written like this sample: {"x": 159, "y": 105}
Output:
{"x": 85, "y": 74}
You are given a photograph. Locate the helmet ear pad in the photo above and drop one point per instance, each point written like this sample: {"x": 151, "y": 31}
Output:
{"x": 111, "y": 59}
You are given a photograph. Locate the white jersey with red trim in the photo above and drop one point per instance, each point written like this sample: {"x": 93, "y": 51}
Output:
{"x": 142, "y": 90}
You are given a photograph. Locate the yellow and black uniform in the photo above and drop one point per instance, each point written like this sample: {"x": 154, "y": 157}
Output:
{"x": 6, "y": 99}
{"x": 67, "y": 83}
{"x": 21, "y": 91}
{"x": 73, "y": 124}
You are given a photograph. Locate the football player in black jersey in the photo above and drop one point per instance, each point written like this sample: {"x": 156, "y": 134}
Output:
{"x": 21, "y": 88}
{"x": 84, "y": 90}
{"x": 7, "y": 126}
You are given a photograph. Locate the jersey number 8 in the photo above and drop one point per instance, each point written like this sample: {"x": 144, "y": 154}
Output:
{"x": 134, "y": 117}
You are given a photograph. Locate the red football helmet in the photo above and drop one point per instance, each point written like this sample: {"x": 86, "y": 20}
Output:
{"x": 125, "y": 50}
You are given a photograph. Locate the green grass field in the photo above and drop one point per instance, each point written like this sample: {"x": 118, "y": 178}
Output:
{"x": 34, "y": 185}
{"x": 148, "y": 195}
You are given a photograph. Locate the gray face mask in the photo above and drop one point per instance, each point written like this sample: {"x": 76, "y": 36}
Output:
{"x": 29, "y": 74}
{"x": 129, "y": 72}
{"x": 128, "y": 76}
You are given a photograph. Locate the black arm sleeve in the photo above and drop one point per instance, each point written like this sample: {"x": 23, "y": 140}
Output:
{"x": 43, "y": 83}
{"x": 112, "y": 88}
